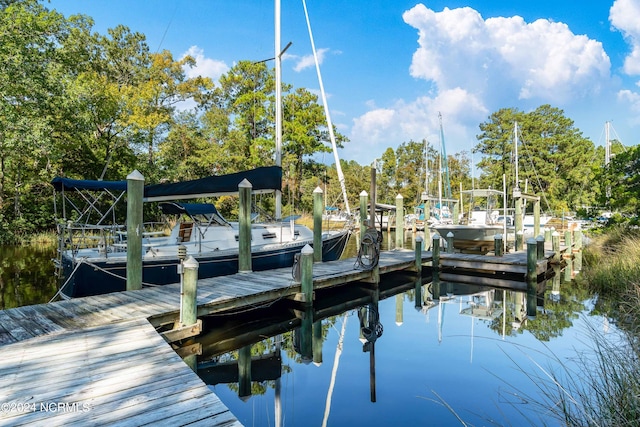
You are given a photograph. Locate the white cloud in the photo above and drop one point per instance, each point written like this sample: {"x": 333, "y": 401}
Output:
{"x": 624, "y": 16}
{"x": 382, "y": 127}
{"x": 632, "y": 100}
{"x": 477, "y": 66}
{"x": 205, "y": 67}
{"x": 505, "y": 57}
{"x": 307, "y": 61}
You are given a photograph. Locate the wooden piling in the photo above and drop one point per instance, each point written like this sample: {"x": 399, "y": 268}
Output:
{"x": 418, "y": 252}
{"x": 306, "y": 262}
{"x": 244, "y": 372}
{"x": 189, "y": 302}
{"x": 363, "y": 211}
{"x": 189, "y": 292}
{"x": 244, "y": 232}
{"x": 317, "y": 224}
{"x": 517, "y": 196}
{"x": 317, "y": 342}
{"x": 450, "y": 242}
{"x": 540, "y": 244}
{"x": 435, "y": 252}
{"x": 519, "y": 240}
{"x": 577, "y": 236}
{"x": 135, "y": 193}
{"x": 536, "y": 217}
{"x": 532, "y": 263}
{"x": 456, "y": 213}
{"x": 547, "y": 234}
{"x": 372, "y": 202}
{"x": 555, "y": 245}
{"x": 567, "y": 241}
{"x": 498, "y": 244}
{"x": 399, "y": 221}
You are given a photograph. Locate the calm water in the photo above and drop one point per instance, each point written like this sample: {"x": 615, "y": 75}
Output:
{"x": 398, "y": 357}
{"x": 471, "y": 356}
{"x": 26, "y": 275}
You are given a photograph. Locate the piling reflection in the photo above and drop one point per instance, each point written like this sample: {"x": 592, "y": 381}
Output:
{"x": 253, "y": 350}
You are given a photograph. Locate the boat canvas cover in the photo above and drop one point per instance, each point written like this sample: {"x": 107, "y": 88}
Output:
{"x": 263, "y": 180}
{"x": 68, "y": 184}
{"x": 188, "y": 208}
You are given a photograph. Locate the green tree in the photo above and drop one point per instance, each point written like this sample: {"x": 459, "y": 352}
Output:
{"x": 554, "y": 159}
{"x": 29, "y": 89}
{"x": 410, "y": 158}
{"x": 387, "y": 189}
{"x": 152, "y": 102}
{"x": 304, "y": 133}
{"x": 622, "y": 182}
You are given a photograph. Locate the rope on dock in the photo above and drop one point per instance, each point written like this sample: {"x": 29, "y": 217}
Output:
{"x": 68, "y": 280}
{"x": 369, "y": 252}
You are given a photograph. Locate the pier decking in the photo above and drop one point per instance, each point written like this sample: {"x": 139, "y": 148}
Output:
{"x": 99, "y": 360}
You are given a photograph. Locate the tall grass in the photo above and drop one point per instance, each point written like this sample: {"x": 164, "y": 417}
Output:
{"x": 603, "y": 389}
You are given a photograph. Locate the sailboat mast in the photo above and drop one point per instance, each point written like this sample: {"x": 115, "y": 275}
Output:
{"x": 278, "y": 104}
{"x": 444, "y": 160}
{"x": 326, "y": 113}
{"x": 426, "y": 168}
{"x": 607, "y": 149}
{"x": 515, "y": 143}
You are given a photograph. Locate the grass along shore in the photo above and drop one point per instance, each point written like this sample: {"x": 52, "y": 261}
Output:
{"x": 606, "y": 391}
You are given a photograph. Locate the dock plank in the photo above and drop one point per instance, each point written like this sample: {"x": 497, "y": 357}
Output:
{"x": 103, "y": 352}
{"x": 122, "y": 373}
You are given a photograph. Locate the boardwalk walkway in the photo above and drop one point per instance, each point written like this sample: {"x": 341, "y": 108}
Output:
{"x": 118, "y": 374}
{"x": 99, "y": 360}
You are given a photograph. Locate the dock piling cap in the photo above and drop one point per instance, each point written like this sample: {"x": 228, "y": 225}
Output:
{"x": 190, "y": 262}
{"x": 307, "y": 250}
{"x": 135, "y": 176}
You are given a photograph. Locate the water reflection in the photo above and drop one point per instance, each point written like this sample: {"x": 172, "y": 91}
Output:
{"x": 363, "y": 355}
{"x": 26, "y": 275}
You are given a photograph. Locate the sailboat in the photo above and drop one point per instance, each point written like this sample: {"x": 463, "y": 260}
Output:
{"x": 92, "y": 245}
{"x": 435, "y": 209}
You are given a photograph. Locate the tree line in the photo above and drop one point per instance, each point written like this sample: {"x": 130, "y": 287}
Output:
{"x": 85, "y": 105}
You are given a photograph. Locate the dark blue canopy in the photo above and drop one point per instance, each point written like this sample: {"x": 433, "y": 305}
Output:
{"x": 69, "y": 184}
{"x": 264, "y": 179}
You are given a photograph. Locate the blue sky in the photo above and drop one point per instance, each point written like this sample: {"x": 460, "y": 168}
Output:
{"x": 389, "y": 67}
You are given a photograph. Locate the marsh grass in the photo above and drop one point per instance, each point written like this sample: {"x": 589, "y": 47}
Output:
{"x": 602, "y": 387}
{"x": 598, "y": 389}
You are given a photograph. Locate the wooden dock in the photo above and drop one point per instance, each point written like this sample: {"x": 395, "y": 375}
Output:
{"x": 116, "y": 374}
{"x": 99, "y": 360}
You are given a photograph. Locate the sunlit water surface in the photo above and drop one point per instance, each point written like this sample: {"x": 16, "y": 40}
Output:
{"x": 470, "y": 357}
